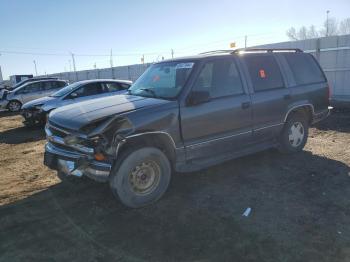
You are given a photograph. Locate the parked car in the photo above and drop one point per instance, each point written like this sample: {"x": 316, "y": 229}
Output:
{"x": 14, "y": 100}
{"x": 35, "y": 112}
{"x": 188, "y": 114}
{"x": 3, "y": 89}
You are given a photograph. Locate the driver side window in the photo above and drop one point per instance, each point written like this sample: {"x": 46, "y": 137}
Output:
{"x": 219, "y": 77}
{"x": 87, "y": 90}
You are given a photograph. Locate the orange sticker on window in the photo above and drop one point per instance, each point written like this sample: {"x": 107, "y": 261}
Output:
{"x": 156, "y": 78}
{"x": 262, "y": 73}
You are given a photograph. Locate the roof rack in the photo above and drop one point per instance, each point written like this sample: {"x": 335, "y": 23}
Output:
{"x": 216, "y": 51}
{"x": 254, "y": 50}
{"x": 267, "y": 50}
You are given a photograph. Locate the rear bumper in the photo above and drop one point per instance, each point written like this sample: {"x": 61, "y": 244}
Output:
{"x": 340, "y": 101}
{"x": 75, "y": 164}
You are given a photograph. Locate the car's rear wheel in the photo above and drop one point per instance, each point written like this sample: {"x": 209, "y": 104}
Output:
{"x": 295, "y": 133}
{"x": 14, "y": 106}
{"x": 141, "y": 178}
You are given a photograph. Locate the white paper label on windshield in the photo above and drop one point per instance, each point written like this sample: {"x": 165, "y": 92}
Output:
{"x": 184, "y": 65}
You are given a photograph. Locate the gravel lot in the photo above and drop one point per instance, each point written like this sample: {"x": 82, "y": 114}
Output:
{"x": 300, "y": 207}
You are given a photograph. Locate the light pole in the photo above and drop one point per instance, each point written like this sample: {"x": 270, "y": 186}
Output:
{"x": 327, "y": 24}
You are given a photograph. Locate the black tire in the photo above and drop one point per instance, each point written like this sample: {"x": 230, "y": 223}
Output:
{"x": 14, "y": 106}
{"x": 128, "y": 175}
{"x": 296, "y": 121}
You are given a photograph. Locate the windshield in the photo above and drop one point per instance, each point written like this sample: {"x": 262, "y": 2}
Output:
{"x": 162, "y": 80}
{"x": 65, "y": 90}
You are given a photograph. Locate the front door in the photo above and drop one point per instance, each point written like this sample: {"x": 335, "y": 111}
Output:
{"x": 223, "y": 123}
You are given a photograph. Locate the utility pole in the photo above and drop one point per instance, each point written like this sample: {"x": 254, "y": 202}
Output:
{"x": 143, "y": 59}
{"x": 36, "y": 71}
{"x": 0, "y": 72}
{"x": 73, "y": 59}
{"x": 74, "y": 68}
{"x": 172, "y": 53}
{"x": 111, "y": 61}
{"x": 327, "y": 23}
{"x": 245, "y": 41}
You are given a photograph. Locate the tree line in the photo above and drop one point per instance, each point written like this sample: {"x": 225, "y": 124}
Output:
{"x": 330, "y": 27}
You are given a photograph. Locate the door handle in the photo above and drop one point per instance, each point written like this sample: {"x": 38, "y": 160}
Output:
{"x": 288, "y": 96}
{"x": 245, "y": 105}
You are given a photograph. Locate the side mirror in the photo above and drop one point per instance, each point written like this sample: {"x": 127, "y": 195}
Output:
{"x": 198, "y": 97}
{"x": 73, "y": 95}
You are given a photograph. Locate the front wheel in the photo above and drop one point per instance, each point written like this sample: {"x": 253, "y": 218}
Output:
{"x": 14, "y": 106}
{"x": 294, "y": 134}
{"x": 142, "y": 177}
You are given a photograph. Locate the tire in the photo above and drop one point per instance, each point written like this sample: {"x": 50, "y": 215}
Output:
{"x": 294, "y": 134}
{"x": 142, "y": 177}
{"x": 14, "y": 106}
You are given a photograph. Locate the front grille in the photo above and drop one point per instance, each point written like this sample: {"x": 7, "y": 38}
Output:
{"x": 56, "y": 136}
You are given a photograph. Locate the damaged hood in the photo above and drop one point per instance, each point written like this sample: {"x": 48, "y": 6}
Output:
{"x": 77, "y": 115}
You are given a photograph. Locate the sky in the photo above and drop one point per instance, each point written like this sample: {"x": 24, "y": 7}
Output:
{"x": 50, "y": 31}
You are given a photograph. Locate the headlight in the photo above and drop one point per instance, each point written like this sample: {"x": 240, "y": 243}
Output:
{"x": 72, "y": 140}
{"x": 38, "y": 107}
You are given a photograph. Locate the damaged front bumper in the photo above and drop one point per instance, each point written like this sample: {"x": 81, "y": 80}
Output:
{"x": 75, "y": 164}
{"x": 32, "y": 117}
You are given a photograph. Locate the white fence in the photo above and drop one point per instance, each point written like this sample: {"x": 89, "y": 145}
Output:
{"x": 131, "y": 72}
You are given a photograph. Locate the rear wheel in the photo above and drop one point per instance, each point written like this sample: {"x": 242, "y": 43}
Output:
{"x": 295, "y": 133}
{"x": 142, "y": 177}
{"x": 14, "y": 106}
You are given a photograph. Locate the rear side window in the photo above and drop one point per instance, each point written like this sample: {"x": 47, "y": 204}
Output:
{"x": 35, "y": 87}
{"x": 114, "y": 87}
{"x": 89, "y": 90}
{"x": 304, "y": 68}
{"x": 264, "y": 72}
{"x": 220, "y": 78}
{"x": 60, "y": 84}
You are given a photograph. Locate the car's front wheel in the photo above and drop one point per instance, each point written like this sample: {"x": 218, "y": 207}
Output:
{"x": 14, "y": 106}
{"x": 294, "y": 134}
{"x": 142, "y": 177}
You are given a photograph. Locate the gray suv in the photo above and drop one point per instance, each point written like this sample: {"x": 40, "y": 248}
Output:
{"x": 14, "y": 100}
{"x": 187, "y": 114}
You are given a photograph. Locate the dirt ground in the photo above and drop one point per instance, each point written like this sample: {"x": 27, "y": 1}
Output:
{"x": 300, "y": 207}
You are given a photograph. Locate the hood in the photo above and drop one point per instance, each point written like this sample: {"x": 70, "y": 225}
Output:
{"x": 77, "y": 115}
{"x": 39, "y": 101}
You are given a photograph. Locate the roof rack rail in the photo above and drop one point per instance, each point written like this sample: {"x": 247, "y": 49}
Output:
{"x": 216, "y": 51}
{"x": 267, "y": 50}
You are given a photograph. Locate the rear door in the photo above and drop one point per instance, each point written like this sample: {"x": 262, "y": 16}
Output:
{"x": 223, "y": 124}
{"x": 270, "y": 96}
{"x": 32, "y": 91}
